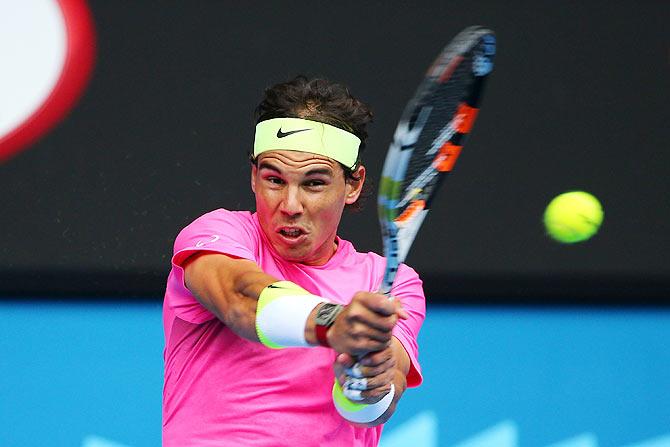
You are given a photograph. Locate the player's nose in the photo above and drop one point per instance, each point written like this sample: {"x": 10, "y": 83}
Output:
{"x": 292, "y": 201}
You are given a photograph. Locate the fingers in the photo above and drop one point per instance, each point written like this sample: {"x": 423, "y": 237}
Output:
{"x": 367, "y": 389}
{"x": 369, "y": 379}
{"x": 376, "y": 302}
{"x": 376, "y": 362}
{"x": 381, "y": 304}
{"x": 346, "y": 360}
{"x": 365, "y": 324}
{"x": 360, "y": 311}
{"x": 375, "y": 311}
{"x": 358, "y": 329}
{"x": 399, "y": 310}
{"x": 359, "y": 343}
{"x": 374, "y": 365}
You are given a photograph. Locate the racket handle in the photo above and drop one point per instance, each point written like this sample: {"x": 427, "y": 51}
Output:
{"x": 389, "y": 276}
{"x": 390, "y": 240}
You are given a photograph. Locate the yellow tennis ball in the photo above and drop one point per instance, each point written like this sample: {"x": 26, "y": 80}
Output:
{"x": 573, "y": 217}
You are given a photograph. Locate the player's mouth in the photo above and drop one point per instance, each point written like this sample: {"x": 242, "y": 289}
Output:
{"x": 291, "y": 234}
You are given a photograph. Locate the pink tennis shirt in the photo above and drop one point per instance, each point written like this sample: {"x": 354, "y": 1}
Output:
{"x": 223, "y": 390}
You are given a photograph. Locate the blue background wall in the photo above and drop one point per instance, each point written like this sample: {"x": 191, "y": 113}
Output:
{"x": 90, "y": 374}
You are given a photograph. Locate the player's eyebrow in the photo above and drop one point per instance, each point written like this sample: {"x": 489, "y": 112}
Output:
{"x": 266, "y": 165}
{"x": 315, "y": 171}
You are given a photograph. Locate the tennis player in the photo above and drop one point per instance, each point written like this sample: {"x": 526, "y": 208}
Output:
{"x": 274, "y": 333}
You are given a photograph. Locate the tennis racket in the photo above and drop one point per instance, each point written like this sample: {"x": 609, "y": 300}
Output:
{"x": 428, "y": 140}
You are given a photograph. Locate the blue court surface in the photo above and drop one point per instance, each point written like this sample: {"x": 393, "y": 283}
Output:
{"x": 89, "y": 374}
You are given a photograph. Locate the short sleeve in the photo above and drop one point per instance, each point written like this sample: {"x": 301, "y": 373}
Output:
{"x": 231, "y": 233}
{"x": 408, "y": 288}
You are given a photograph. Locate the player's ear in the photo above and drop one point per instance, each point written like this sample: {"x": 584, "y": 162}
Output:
{"x": 254, "y": 170}
{"x": 355, "y": 185}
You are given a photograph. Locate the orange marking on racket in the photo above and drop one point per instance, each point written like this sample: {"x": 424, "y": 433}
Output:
{"x": 445, "y": 159}
{"x": 468, "y": 115}
{"x": 410, "y": 211}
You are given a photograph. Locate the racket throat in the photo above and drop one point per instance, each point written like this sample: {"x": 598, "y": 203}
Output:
{"x": 408, "y": 231}
{"x": 398, "y": 238}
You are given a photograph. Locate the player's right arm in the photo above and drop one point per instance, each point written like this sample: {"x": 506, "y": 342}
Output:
{"x": 230, "y": 287}
{"x": 227, "y": 287}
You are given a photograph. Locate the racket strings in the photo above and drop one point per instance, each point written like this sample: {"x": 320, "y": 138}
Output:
{"x": 422, "y": 177}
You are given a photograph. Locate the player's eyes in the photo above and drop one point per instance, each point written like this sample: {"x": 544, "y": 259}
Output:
{"x": 314, "y": 183}
{"x": 274, "y": 180}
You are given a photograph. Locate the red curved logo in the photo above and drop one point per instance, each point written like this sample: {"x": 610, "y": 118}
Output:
{"x": 48, "y": 48}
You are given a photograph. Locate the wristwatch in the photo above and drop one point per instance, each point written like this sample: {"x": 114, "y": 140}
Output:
{"x": 325, "y": 317}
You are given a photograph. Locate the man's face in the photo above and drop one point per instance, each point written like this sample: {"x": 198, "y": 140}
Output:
{"x": 299, "y": 200}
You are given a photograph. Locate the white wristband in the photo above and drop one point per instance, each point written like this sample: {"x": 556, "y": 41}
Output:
{"x": 281, "y": 314}
{"x": 360, "y": 413}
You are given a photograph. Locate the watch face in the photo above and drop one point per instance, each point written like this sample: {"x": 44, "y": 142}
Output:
{"x": 327, "y": 313}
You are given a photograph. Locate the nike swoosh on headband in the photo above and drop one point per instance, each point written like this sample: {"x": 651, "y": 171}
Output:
{"x": 281, "y": 134}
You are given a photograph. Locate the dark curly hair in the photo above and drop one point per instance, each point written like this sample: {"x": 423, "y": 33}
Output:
{"x": 318, "y": 100}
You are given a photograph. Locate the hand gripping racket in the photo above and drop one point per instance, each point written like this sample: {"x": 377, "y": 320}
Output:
{"x": 429, "y": 138}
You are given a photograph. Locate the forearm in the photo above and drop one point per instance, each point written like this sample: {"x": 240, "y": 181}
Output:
{"x": 229, "y": 288}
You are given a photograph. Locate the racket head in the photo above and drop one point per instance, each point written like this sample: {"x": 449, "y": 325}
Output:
{"x": 429, "y": 138}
